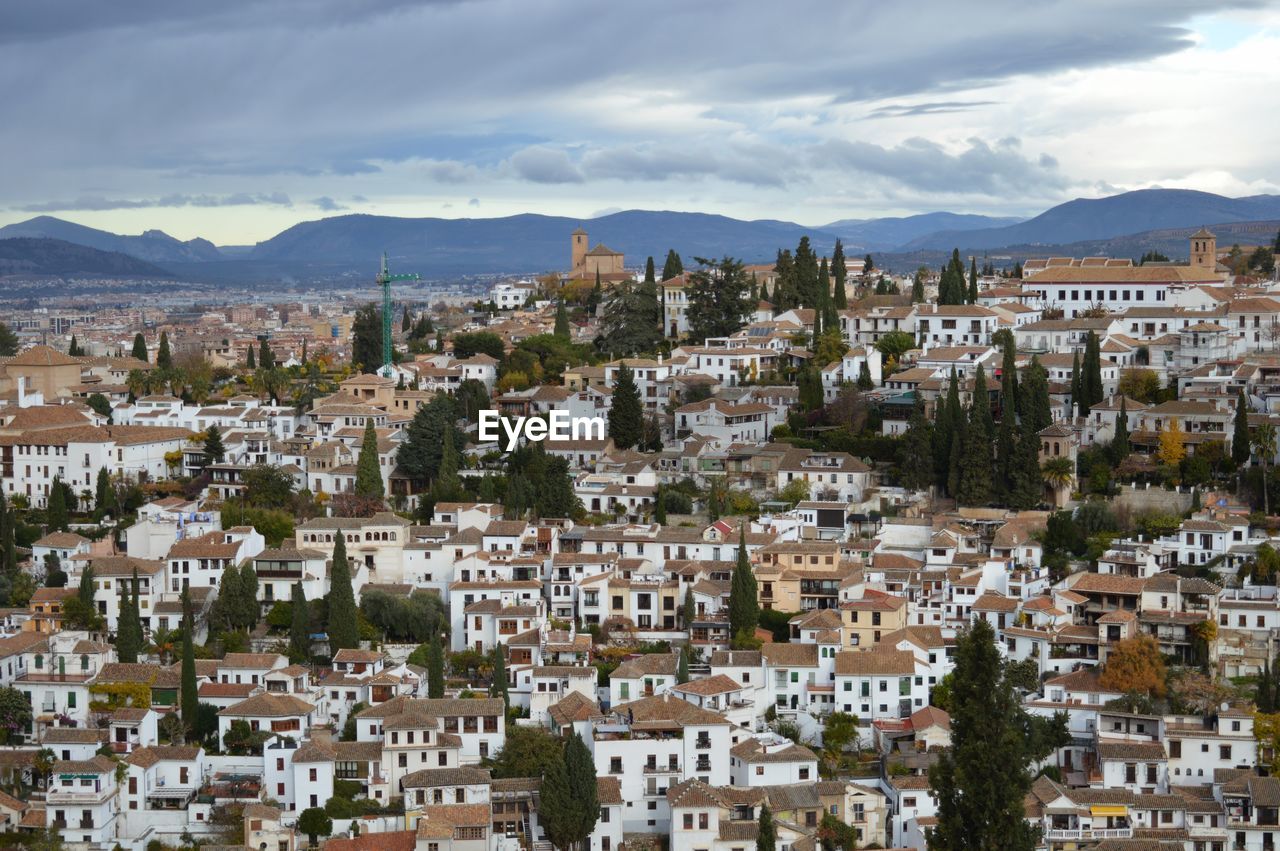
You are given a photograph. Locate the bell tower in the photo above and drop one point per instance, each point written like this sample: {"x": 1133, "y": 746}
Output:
{"x": 579, "y": 256}
{"x": 1204, "y": 250}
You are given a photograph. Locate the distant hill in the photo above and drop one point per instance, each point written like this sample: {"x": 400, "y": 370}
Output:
{"x": 527, "y": 242}
{"x": 887, "y": 234}
{"x": 1104, "y": 218}
{"x": 154, "y": 246}
{"x": 30, "y": 256}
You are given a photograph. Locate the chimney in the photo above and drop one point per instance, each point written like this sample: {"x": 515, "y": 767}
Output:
{"x": 22, "y": 391}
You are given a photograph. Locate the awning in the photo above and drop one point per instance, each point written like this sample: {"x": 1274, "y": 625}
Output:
{"x": 1108, "y": 811}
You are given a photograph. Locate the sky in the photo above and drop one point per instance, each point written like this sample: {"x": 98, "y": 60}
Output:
{"x": 237, "y": 119}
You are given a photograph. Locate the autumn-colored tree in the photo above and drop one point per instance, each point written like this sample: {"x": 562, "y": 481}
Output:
{"x": 1135, "y": 665}
{"x": 1172, "y": 450}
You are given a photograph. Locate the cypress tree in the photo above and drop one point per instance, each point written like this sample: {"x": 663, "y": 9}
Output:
{"x": 139, "y": 347}
{"x": 650, "y": 276}
{"x": 368, "y": 468}
{"x": 1007, "y": 434}
{"x": 300, "y": 625}
{"x": 975, "y": 472}
{"x": 744, "y": 604}
{"x": 973, "y": 281}
{"x": 917, "y": 286}
{"x": 1077, "y": 387}
{"x": 266, "y": 357}
{"x": 1265, "y": 698}
{"x": 342, "y": 627}
{"x": 1027, "y": 481}
{"x": 251, "y": 359}
{"x": 687, "y": 610}
{"x": 766, "y": 832}
{"x": 435, "y": 668}
{"x": 1091, "y": 380}
{"x": 944, "y": 430}
{"x": 982, "y": 781}
{"x": 626, "y": 416}
{"x": 557, "y": 810}
{"x": 1120, "y": 442}
{"x": 660, "y": 507}
{"x": 102, "y": 491}
{"x": 213, "y": 449}
{"x": 164, "y": 358}
{"x": 1035, "y": 413}
{"x": 447, "y": 486}
{"x": 915, "y": 451}
{"x": 562, "y": 320}
{"x": 955, "y": 460}
{"x": 190, "y": 696}
{"x": 764, "y": 291}
{"x": 74, "y": 349}
{"x": 581, "y": 769}
{"x": 673, "y": 265}
{"x": 682, "y": 666}
{"x": 56, "y": 511}
{"x": 129, "y": 625}
{"x": 406, "y": 320}
{"x": 499, "y": 686}
{"x": 840, "y": 271}
{"x": 1240, "y": 447}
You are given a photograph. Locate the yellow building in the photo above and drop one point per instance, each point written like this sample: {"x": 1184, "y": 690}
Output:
{"x": 586, "y": 262}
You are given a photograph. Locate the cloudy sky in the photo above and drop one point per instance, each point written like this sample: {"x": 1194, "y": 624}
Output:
{"x": 236, "y": 119}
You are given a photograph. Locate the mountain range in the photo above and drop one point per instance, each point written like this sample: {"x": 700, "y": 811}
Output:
{"x": 42, "y": 256}
{"x": 342, "y": 247}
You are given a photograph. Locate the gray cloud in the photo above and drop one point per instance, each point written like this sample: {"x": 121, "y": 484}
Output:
{"x": 324, "y": 202}
{"x": 541, "y": 164}
{"x": 907, "y": 110}
{"x": 93, "y": 203}
{"x": 474, "y": 202}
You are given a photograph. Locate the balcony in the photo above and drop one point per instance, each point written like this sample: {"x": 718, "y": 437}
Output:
{"x": 702, "y": 744}
{"x": 71, "y": 796}
{"x": 662, "y": 769}
{"x": 1089, "y": 834}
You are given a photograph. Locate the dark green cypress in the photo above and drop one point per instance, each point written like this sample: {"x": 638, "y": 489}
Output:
{"x": 368, "y": 468}
{"x": 300, "y": 625}
{"x": 562, "y": 320}
{"x": 190, "y": 696}
{"x": 744, "y": 602}
{"x": 129, "y": 625}
{"x": 435, "y": 668}
{"x": 1007, "y": 434}
{"x": 915, "y": 455}
{"x": 1091, "y": 379}
{"x": 840, "y": 271}
{"x": 56, "y": 511}
{"x": 342, "y": 627}
{"x": 1120, "y": 441}
{"x": 973, "y": 281}
{"x": 975, "y": 473}
{"x": 1077, "y": 386}
{"x": 499, "y": 686}
{"x": 1240, "y": 447}
{"x": 139, "y": 347}
{"x": 766, "y": 832}
{"x": 673, "y": 266}
{"x": 581, "y": 769}
{"x": 164, "y": 358}
{"x": 945, "y": 420}
{"x": 626, "y": 415}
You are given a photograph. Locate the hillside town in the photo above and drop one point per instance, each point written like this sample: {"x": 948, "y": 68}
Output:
{"x": 848, "y": 546}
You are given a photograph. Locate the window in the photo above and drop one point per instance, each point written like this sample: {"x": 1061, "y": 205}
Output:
{"x": 688, "y": 821}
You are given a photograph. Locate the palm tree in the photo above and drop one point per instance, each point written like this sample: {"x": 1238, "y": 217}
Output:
{"x": 1263, "y": 442}
{"x": 163, "y": 641}
{"x": 1059, "y": 472}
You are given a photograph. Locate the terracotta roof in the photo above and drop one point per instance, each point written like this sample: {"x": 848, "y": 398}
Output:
{"x": 269, "y": 706}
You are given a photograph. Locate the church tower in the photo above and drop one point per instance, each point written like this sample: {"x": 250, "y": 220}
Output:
{"x": 1204, "y": 250}
{"x": 579, "y": 256}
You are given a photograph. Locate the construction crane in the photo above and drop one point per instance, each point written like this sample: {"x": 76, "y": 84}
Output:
{"x": 384, "y": 279}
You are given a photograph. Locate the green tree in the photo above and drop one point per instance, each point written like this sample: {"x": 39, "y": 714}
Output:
{"x": 1240, "y": 445}
{"x": 839, "y": 271}
{"x": 266, "y": 357}
{"x": 214, "y": 452}
{"x": 915, "y": 453}
{"x": 562, "y": 320}
{"x": 499, "y": 686}
{"x": 973, "y": 281}
{"x": 299, "y": 625}
{"x": 1091, "y": 379}
{"x": 718, "y": 301}
{"x": 1026, "y": 487}
{"x": 368, "y": 467}
{"x": 1077, "y": 387}
{"x": 343, "y": 625}
{"x": 838, "y": 732}
{"x": 917, "y": 285}
{"x": 421, "y": 451}
{"x": 895, "y": 343}
{"x": 682, "y": 666}
{"x": 447, "y": 486}
{"x": 1120, "y": 441}
{"x": 129, "y": 637}
{"x": 139, "y": 347}
{"x": 744, "y": 602}
{"x": 479, "y": 343}
{"x": 981, "y": 782}
{"x": 556, "y": 497}
{"x": 766, "y": 832}
{"x": 250, "y": 359}
{"x": 15, "y": 716}
{"x": 74, "y": 350}
{"x": 9, "y": 341}
{"x": 315, "y": 822}
{"x": 632, "y": 320}
{"x": 975, "y": 473}
{"x": 581, "y": 768}
{"x": 56, "y": 510}
{"x": 526, "y": 752}
{"x": 164, "y": 358}
{"x": 366, "y": 339}
{"x": 672, "y": 266}
{"x": 190, "y": 696}
{"x": 435, "y": 668}
{"x": 626, "y": 415}
{"x": 1007, "y": 434}
{"x": 569, "y": 804}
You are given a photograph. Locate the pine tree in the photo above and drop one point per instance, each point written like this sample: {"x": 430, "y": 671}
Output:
{"x": 56, "y": 511}
{"x": 190, "y": 696}
{"x": 915, "y": 454}
{"x": 139, "y": 347}
{"x": 342, "y": 627}
{"x": 251, "y": 358}
{"x": 840, "y": 271}
{"x": 717, "y": 294}
{"x": 1240, "y": 446}
{"x": 982, "y": 781}
{"x": 626, "y": 415}
{"x": 300, "y": 625}
{"x": 435, "y": 668}
{"x": 368, "y": 467}
{"x": 562, "y": 320}
{"x": 1120, "y": 442}
{"x": 499, "y": 687}
{"x": 973, "y": 281}
{"x": 744, "y": 603}
{"x": 213, "y": 450}
{"x": 673, "y": 266}
{"x": 164, "y": 358}
{"x": 766, "y": 832}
